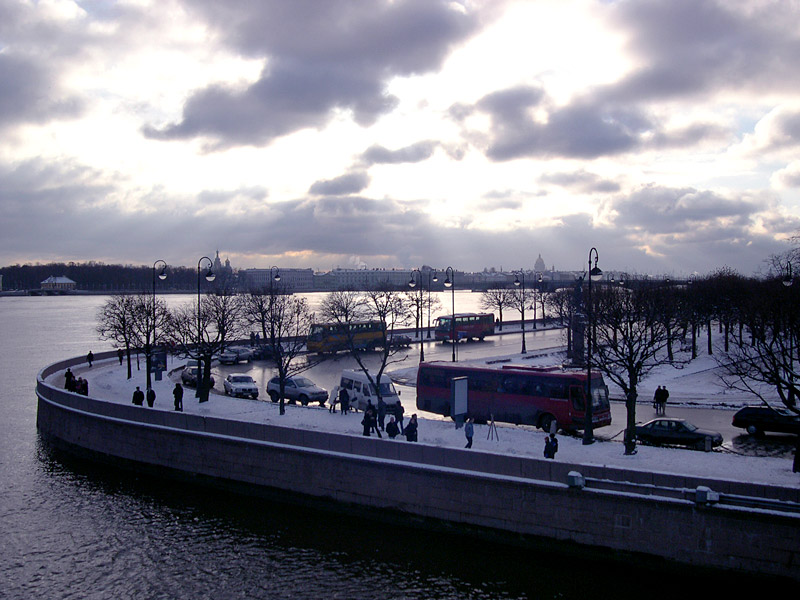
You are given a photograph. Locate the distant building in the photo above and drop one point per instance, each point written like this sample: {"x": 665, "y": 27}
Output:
{"x": 292, "y": 280}
{"x": 362, "y": 279}
{"x": 58, "y": 283}
{"x": 539, "y": 265}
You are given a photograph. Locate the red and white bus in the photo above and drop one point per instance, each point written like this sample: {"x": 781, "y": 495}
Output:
{"x": 516, "y": 394}
{"x": 467, "y": 326}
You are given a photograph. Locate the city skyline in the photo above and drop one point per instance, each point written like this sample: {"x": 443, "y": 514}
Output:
{"x": 399, "y": 133}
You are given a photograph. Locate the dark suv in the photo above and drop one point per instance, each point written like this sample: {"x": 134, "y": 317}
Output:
{"x": 759, "y": 419}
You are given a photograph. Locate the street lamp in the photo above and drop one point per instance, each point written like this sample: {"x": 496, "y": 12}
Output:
{"x": 162, "y": 275}
{"x": 412, "y": 284}
{"x": 595, "y": 274}
{"x": 435, "y": 279}
{"x": 210, "y": 276}
{"x": 787, "y": 282}
{"x": 517, "y": 283}
{"x": 272, "y": 278}
{"x": 450, "y": 282}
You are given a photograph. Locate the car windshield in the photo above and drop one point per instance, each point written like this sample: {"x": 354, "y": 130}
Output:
{"x": 242, "y": 379}
{"x": 689, "y": 426}
{"x": 303, "y": 382}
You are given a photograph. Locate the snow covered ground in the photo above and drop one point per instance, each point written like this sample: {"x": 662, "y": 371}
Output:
{"x": 694, "y": 384}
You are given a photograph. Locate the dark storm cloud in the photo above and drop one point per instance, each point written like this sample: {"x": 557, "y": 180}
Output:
{"x": 688, "y": 47}
{"x": 349, "y": 183}
{"x": 320, "y": 56}
{"x": 581, "y": 181}
{"x": 410, "y": 154}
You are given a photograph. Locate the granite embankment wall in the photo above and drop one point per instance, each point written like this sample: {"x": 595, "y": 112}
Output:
{"x": 519, "y": 498}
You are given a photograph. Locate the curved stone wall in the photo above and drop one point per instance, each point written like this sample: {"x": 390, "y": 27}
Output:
{"x": 525, "y": 498}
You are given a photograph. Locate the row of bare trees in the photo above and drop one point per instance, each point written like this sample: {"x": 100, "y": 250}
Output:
{"x": 203, "y": 330}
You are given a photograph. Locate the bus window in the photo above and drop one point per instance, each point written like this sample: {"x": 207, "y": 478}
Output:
{"x": 577, "y": 397}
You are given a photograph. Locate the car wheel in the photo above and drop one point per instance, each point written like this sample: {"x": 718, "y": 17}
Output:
{"x": 755, "y": 431}
{"x": 273, "y": 395}
{"x": 304, "y": 400}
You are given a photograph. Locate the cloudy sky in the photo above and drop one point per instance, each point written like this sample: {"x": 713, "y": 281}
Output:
{"x": 396, "y": 133}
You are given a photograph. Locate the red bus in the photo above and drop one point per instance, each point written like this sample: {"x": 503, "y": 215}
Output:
{"x": 515, "y": 394}
{"x": 467, "y": 326}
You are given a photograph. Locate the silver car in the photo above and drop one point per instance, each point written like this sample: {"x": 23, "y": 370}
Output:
{"x": 241, "y": 385}
{"x": 298, "y": 389}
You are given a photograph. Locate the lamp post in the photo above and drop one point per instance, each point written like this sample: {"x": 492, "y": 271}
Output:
{"x": 210, "y": 276}
{"x": 435, "y": 279}
{"x": 787, "y": 282}
{"x": 272, "y": 278}
{"x": 162, "y": 275}
{"x": 450, "y": 282}
{"x": 412, "y": 284}
{"x": 517, "y": 283}
{"x": 595, "y": 274}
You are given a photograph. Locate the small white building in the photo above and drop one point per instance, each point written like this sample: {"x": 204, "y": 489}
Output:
{"x": 58, "y": 283}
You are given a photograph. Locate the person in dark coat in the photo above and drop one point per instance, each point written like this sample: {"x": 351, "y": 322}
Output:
{"x": 550, "y": 446}
{"x": 398, "y": 413}
{"x": 90, "y": 358}
{"x": 151, "y": 397}
{"x": 177, "y": 393}
{"x": 366, "y": 421}
{"x": 411, "y": 429}
{"x": 381, "y": 414}
{"x": 69, "y": 380}
{"x": 373, "y": 418}
{"x": 344, "y": 401}
{"x": 469, "y": 431}
{"x": 138, "y": 397}
{"x": 392, "y": 430}
{"x": 120, "y": 355}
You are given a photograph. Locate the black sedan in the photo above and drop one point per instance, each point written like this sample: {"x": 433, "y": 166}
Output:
{"x": 759, "y": 419}
{"x": 676, "y": 432}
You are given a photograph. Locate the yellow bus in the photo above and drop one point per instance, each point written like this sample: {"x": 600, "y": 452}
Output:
{"x": 332, "y": 337}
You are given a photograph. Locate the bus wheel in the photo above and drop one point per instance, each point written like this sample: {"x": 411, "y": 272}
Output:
{"x": 546, "y": 423}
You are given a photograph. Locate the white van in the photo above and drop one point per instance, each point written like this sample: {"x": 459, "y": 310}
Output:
{"x": 360, "y": 390}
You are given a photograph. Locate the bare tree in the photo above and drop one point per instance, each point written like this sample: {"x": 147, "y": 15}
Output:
{"x": 288, "y": 319}
{"x": 498, "y": 299}
{"x": 116, "y": 323}
{"x": 383, "y": 305}
{"x": 201, "y": 335}
{"x": 631, "y": 342}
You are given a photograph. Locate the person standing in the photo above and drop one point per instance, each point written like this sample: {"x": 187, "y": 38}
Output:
{"x": 90, "y": 357}
{"x": 138, "y": 397}
{"x": 177, "y": 393}
{"x": 120, "y": 355}
{"x": 366, "y": 421}
{"x": 391, "y": 428}
{"x": 656, "y": 396}
{"x": 151, "y": 397}
{"x": 69, "y": 380}
{"x": 550, "y": 446}
{"x": 398, "y": 412}
{"x": 411, "y": 429}
{"x": 664, "y": 398}
{"x": 469, "y": 430}
{"x": 344, "y": 401}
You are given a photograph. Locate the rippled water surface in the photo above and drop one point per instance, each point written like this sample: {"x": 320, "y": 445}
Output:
{"x": 71, "y": 529}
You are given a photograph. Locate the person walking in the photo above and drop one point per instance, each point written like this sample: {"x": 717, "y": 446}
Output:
{"x": 664, "y": 398}
{"x": 120, "y": 355}
{"x": 656, "y": 396}
{"x": 392, "y": 430}
{"x": 177, "y": 394}
{"x": 151, "y": 397}
{"x": 469, "y": 431}
{"x": 138, "y": 397}
{"x": 398, "y": 413}
{"x": 366, "y": 421}
{"x": 550, "y": 446}
{"x": 412, "y": 429}
{"x": 373, "y": 418}
{"x": 90, "y": 357}
{"x": 344, "y": 401}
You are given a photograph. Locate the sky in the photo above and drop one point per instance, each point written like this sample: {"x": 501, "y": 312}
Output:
{"x": 399, "y": 133}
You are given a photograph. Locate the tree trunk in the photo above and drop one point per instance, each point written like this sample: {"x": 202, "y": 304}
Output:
{"x": 630, "y": 425}
{"x": 710, "y": 348}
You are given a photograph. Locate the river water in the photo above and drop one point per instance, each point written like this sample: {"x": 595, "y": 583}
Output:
{"x": 71, "y": 529}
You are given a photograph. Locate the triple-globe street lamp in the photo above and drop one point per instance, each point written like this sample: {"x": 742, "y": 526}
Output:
{"x": 595, "y": 274}
{"x": 272, "y": 279}
{"x": 162, "y": 275}
{"x": 517, "y": 282}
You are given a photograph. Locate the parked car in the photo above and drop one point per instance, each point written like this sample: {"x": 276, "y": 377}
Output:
{"x": 298, "y": 389}
{"x": 399, "y": 340}
{"x": 759, "y": 419}
{"x": 677, "y": 432}
{"x": 190, "y": 372}
{"x": 233, "y": 356}
{"x": 262, "y": 352}
{"x": 240, "y": 385}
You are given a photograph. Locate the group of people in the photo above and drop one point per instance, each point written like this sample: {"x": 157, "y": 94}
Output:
{"x": 75, "y": 384}
{"x": 139, "y": 397}
{"x": 660, "y": 400}
{"x": 374, "y": 419}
